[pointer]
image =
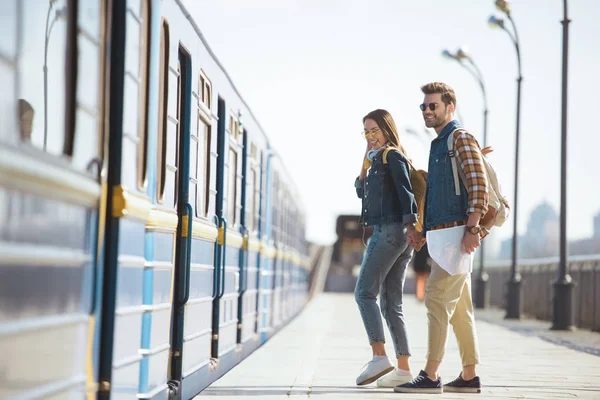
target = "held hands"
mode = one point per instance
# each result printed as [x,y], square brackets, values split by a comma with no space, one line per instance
[415,239]
[470,242]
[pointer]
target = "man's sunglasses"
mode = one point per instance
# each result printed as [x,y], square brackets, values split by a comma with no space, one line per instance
[424,106]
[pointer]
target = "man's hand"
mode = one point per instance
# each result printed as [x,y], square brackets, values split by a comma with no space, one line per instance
[415,238]
[470,242]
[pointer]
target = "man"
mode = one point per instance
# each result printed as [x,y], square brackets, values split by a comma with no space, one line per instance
[448,297]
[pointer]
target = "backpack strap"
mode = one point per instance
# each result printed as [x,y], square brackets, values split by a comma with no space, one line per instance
[385,154]
[452,155]
[388,149]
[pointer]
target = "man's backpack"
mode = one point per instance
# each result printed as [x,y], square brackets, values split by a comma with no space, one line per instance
[418,181]
[498,206]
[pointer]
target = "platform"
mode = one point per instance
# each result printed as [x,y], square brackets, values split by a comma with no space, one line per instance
[320,353]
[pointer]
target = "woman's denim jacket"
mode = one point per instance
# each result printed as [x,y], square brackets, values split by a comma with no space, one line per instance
[386,192]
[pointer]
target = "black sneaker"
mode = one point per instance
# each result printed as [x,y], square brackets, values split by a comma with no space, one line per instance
[459,385]
[421,384]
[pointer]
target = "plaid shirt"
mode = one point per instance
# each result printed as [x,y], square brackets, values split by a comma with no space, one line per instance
[468,157]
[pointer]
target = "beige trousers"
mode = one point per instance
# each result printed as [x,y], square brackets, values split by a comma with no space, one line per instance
[448,301]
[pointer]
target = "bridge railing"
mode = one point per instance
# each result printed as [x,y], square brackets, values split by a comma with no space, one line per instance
[537,278]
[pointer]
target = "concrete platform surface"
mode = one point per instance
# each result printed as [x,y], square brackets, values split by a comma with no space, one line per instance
[320,353]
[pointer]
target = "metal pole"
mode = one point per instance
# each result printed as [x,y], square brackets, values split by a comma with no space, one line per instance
[564,293]
[46,78]
[482,292]
[513,294]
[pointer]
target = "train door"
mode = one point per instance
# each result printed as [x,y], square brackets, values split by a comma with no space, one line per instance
[202,233]
[249,259]
[129,202]
[267,251]
[51,122]
[229,176]
[277,265]
[185,212]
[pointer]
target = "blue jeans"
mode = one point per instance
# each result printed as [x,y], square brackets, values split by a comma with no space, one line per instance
[384,269]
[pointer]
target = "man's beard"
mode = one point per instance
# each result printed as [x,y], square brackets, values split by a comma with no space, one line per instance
[436,122]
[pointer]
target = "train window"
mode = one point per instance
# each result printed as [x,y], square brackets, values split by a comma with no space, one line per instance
[172,153]
[8,73]
[249,207]
[232,181]
[183,114]
[205,90]
[85,143]
[234,126]
[252,188]
[135,105]
[256,202]
[163,111]
[144,83]
[194,164]
[41,76]
[204,154]
[275,188]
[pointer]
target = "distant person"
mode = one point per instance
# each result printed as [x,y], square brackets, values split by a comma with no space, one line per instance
[422,266]
[26,114]
[448,297]
[388,204]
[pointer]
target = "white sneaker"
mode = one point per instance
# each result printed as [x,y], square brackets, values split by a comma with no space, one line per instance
[394,378]
[373,370]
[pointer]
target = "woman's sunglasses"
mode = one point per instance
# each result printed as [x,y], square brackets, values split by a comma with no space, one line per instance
[424,106]
[373,132]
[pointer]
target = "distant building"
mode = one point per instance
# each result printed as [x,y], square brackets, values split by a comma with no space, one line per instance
[542,237]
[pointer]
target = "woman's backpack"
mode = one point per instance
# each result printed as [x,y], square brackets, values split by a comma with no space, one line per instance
[418,181]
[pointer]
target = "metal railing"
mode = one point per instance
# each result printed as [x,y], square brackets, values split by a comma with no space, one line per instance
[538,276]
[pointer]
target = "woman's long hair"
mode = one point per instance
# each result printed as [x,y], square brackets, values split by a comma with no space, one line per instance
[385,122]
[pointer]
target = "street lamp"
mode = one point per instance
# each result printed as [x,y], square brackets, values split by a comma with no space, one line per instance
[59,13]
[513,294]
[564,293]
[481,289]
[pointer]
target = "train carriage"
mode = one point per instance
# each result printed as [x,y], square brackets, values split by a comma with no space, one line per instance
[149,235]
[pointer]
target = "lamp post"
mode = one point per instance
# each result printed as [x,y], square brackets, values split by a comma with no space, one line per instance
[564,293]
[513,294]
[58,14]
[481,298]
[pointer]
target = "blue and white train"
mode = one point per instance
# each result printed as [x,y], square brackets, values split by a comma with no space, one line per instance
[150,238]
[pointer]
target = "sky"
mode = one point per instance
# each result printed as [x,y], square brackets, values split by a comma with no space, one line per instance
[310,70]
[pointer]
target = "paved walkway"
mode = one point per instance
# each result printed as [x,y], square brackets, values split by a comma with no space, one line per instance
[320,353]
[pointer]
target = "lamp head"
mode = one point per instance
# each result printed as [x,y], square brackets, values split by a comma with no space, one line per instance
[61,13]
[463,53]
[447,54]
[496,22]
[503,5]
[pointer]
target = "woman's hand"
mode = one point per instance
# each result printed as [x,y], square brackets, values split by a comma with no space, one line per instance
[414,237]
[363,170]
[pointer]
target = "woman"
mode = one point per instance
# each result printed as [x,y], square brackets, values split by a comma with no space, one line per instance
[388,204]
